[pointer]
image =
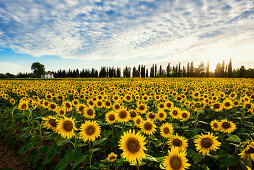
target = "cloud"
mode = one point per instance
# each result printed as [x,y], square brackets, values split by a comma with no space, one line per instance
[130,30]
[12,68]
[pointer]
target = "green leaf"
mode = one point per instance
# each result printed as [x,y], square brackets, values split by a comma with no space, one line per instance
[227,160]
[234,138]
[61,164]
[162,166]
[79,161]
[150,158]
[196,157]
[98,142]
[95,149]
[51,153]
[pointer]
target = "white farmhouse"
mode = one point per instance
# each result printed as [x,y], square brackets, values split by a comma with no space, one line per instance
[47,75]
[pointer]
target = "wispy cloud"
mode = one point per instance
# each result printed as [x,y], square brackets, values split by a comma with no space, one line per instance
[12,68]
[124,30]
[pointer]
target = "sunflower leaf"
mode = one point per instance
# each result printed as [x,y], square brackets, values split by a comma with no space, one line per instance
[97,142]
[234,138]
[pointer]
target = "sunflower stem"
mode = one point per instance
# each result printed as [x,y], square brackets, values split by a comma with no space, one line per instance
[138,165]
[91,153]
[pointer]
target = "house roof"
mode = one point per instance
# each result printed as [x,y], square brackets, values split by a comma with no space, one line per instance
[49,73]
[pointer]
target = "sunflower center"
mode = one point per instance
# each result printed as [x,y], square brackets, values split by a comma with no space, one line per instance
[250,150]
[133,114]
[148,126]
[23,106]
[122,114]
[107,103]
[175,112]
[216,106]
[227,104]
[248,106]
[90,130]
[99,103]
[128,97]
[151,116]
[184,115]
[67,126]
[166,130]
[52,106]
[226,125]
[138,121]
[133,145]
[68,105]
[90,102]
[117,107]
[112,157]
[215,125]
[177,142]
[111,117]
[206,142]
[161,105]
[52,122]
[175,162]
[168,104]
[161,115]
[75,102]
[141,107]
[61,112]
[81,108]
[90,112]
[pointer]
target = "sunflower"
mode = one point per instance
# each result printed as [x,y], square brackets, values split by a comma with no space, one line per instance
[50,123]
[166,130]
[236,103]
[75,102]
[177,141]
[12,101]
[80,108]
[107,104]
[161,106]
[128,98]
[111,117]
[133,147]
[206,143]
[142,108]
[148,127]
[116,106]
[89,113]
[138,121]
[169,105]
[52,106]
[67,105]
[175,113]
[91,103]
[112,157]
[227,126]
[66,127]
[23,105]
[99,104]
[90,130]
[215,125]
[133,114]
[248,152]
[61,111]
[217,107]
[151,116]
[176,160]
[161,115]
[185,115]
[123,115]
[227,104]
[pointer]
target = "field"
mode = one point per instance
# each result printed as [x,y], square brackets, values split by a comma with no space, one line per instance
[185,123]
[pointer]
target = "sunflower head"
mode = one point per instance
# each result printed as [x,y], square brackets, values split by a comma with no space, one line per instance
[178,141]
[23,105]
[90,130]
[161,115]
[185,115]
[206,143]
[175,113]
[148,127]
[66,127]
[227,126]
[123,115]
[89,113]
[176,159]
[50,123]
[215,125]
[112,157]
[138,121]
[151,116]
[248,152]
[166,130]
[111,117]
[133,147]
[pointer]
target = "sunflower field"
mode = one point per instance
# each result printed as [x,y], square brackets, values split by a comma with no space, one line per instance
[130,123]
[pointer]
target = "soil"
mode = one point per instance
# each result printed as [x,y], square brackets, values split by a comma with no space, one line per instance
[9,158]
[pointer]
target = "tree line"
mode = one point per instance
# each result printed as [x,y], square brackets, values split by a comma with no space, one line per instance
[178,70]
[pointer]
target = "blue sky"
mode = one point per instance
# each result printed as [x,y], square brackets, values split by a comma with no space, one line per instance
[84,34]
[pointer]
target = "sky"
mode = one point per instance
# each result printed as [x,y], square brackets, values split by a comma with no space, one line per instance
[93,33]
